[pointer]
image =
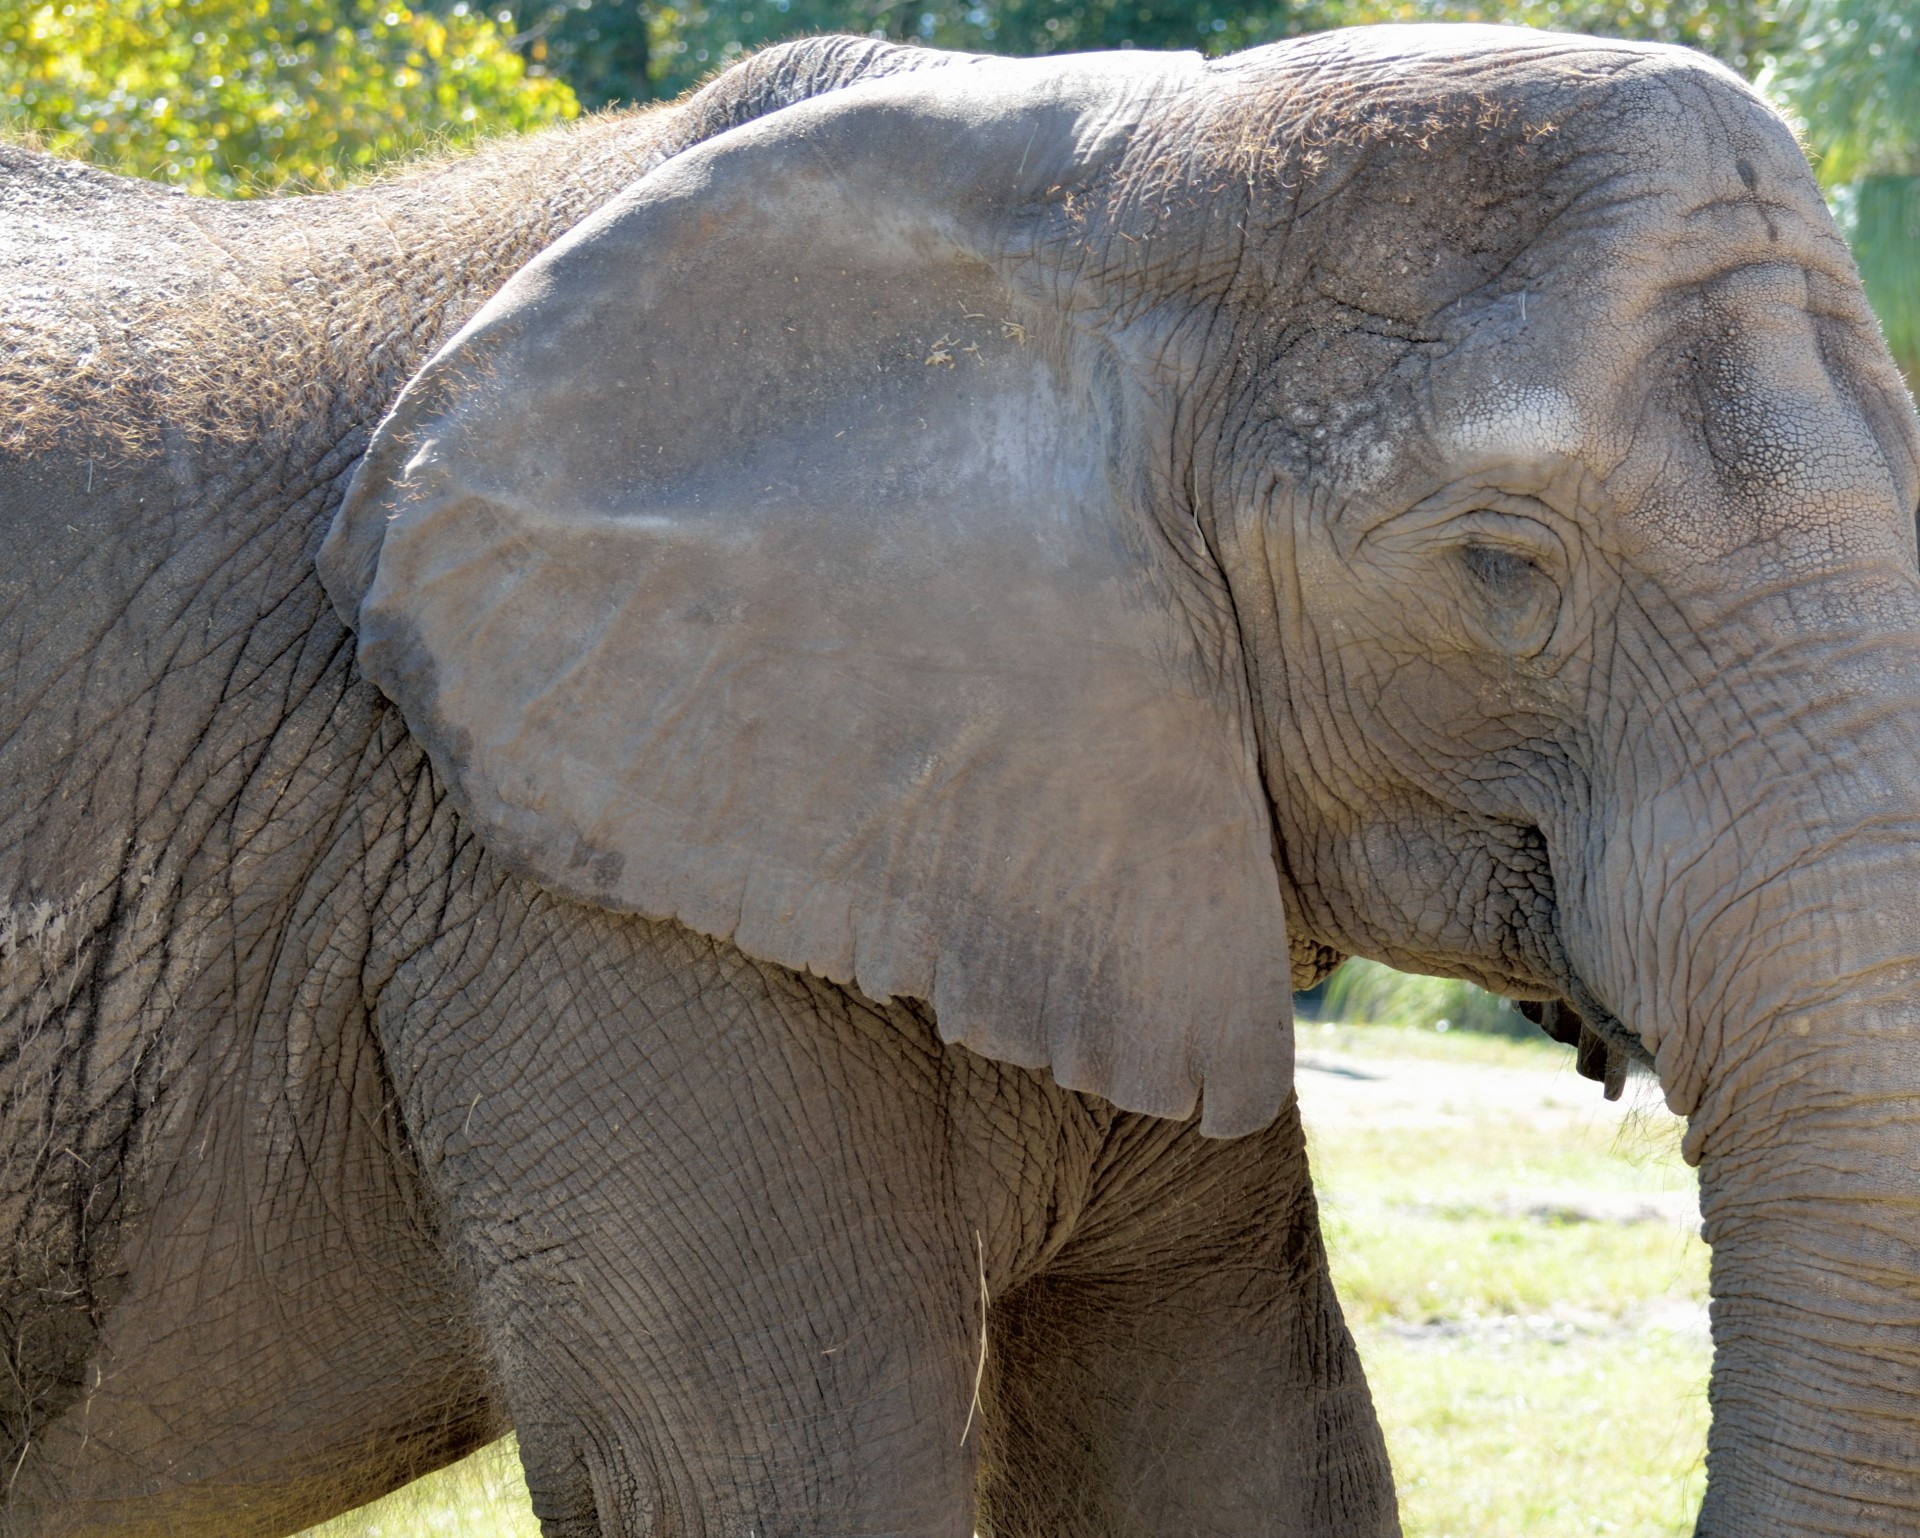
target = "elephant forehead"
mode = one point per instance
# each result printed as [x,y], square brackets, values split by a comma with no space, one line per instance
[1316,113]
[1503,210]
[1708,416]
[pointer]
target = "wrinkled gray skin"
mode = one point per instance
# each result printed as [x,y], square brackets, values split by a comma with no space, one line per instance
[1045,543]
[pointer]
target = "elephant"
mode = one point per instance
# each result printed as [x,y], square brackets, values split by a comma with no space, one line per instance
[664,784]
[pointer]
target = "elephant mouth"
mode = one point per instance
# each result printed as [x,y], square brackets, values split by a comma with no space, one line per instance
[1603,1046]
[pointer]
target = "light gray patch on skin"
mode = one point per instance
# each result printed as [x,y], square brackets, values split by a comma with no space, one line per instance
[1522,423]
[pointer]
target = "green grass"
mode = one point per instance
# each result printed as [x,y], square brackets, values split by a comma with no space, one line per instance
[479,1497]
[1370,994]
[1538,1372]
[1543,1439]
[1397,1040]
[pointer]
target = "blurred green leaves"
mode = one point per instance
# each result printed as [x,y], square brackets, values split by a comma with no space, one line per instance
[614,50]
[617,50]
[1852,77]
[240,96]
[1880,216]
[1739,33]
[1366,993]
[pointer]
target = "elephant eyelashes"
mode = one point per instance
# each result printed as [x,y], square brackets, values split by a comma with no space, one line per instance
[1521,603]
[1502,573]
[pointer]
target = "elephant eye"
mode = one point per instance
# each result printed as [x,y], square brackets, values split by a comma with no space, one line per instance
[1506,575]
[1520,603]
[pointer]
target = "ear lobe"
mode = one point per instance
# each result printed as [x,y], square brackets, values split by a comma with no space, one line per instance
[762,560]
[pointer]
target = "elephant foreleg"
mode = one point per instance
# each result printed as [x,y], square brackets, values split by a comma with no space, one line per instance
[729,1228]
[1182,1365]
[728,1288]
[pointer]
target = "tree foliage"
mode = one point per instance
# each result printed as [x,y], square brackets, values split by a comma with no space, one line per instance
[1853,76]
[631,50]
[234,96]
[1364,992]
[1853,79]
[620,50]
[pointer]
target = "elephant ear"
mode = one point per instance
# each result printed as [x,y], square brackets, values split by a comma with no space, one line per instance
[760,558]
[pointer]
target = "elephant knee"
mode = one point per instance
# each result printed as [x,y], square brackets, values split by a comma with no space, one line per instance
[586,1482]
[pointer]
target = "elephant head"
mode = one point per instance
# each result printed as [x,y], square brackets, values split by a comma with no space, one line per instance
[1086,542]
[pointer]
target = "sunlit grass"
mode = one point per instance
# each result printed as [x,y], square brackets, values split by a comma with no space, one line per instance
[1397,1040]
[1394,1268]
[1528,1305]
[1433,1224]
[480,1497]
[1528,1301]
[1535,1438]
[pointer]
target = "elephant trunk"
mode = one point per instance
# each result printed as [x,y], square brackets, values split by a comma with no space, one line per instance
[1786,1023]
[1811,1196]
